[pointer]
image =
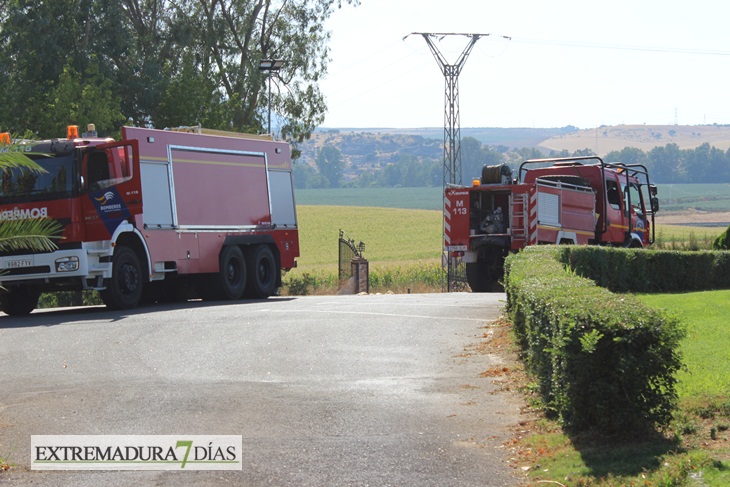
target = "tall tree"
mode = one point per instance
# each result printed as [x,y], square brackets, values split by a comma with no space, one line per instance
[330,164]
[40,43]
[164,62]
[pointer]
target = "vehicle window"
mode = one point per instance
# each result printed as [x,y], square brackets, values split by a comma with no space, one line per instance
[636,199]
[107,168]
[614,197]
[56,179]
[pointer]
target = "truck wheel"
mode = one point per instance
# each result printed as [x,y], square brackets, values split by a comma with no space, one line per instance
[478,277]
[19,301]
[262,279]
[230,282]
[124,289]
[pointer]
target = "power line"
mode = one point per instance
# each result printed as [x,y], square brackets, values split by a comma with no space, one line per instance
[623,47]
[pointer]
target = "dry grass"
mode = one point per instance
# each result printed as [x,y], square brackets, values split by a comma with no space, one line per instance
[603,140]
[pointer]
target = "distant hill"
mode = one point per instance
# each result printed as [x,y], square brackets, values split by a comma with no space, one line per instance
[603,140]
[371,150]
[365,148]
[513,138]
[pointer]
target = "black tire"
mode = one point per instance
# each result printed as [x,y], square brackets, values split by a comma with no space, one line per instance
[124,289]
[478,277]
[230,281]
[263,273]
[483,275]
[19,301]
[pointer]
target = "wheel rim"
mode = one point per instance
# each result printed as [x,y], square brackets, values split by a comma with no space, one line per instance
[263,271]
[129,279]
[233,272]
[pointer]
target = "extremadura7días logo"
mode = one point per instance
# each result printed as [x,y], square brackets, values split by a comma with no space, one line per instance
[136,452]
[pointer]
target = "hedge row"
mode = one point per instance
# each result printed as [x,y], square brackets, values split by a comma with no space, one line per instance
[638,270]
[603,361]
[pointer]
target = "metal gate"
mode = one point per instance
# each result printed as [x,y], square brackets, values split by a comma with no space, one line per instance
[455,274]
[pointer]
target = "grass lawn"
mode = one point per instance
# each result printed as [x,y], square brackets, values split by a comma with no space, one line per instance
[707,346]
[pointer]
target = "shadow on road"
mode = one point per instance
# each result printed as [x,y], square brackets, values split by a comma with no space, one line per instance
[60,316]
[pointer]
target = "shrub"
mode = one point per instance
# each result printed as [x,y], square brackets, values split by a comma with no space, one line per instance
[722,242]
[603,361]
[63,299]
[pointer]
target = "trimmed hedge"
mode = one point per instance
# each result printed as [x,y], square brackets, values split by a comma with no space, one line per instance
[649,271]
[603,361]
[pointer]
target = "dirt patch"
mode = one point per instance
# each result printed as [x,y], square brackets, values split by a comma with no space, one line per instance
[689,217]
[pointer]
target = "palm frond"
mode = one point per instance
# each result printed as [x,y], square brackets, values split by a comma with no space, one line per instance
[35,235]
[12,160]
[11,157]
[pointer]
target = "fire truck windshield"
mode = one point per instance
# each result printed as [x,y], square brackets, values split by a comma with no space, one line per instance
[21,184]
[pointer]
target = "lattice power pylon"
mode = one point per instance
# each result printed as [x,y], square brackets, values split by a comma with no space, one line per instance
[455,273]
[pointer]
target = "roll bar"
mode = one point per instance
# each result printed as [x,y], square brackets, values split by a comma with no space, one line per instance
[636,171]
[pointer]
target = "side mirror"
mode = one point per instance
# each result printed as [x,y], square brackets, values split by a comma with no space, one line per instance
[654,204]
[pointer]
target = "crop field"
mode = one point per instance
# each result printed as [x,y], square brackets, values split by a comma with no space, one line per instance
[672,197]
[403,246]
[680,237]
[706,197]
[409,198]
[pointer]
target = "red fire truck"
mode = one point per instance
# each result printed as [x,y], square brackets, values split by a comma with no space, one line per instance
[155,212]
[580,200]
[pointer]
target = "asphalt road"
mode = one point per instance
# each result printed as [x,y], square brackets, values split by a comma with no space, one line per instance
[327,390]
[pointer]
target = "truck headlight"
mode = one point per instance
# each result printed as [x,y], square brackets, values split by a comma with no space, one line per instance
[67,264]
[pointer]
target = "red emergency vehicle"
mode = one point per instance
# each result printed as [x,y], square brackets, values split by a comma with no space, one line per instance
[580,200]
[156,212]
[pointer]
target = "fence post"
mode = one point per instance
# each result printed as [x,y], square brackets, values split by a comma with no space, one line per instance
[353,268]
[360,271]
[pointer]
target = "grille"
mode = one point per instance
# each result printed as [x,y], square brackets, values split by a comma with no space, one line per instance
[25,271]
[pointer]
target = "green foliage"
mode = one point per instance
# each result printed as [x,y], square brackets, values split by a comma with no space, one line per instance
[329,162]
[670,164]
[722,242]
[401,278]
[159,63]
[300,285]
[603,361]
[78,99]
[69,298]
[33,234]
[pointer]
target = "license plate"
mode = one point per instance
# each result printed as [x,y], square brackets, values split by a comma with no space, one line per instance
[14,264]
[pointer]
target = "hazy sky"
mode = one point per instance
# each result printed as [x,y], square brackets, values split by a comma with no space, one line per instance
[569,62]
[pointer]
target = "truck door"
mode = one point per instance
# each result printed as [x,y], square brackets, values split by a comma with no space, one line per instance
[634,204]
[615,224]
[111,188]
